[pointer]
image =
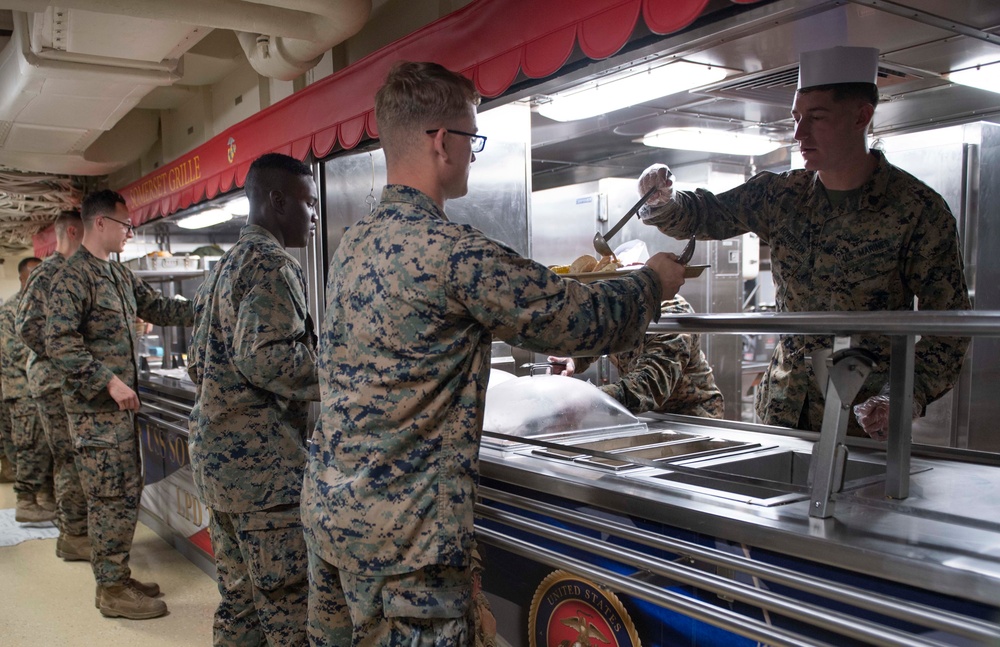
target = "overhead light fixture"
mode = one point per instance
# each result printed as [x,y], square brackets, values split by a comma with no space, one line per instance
[204,219]
[628,88]
[710,141]
[984,77]
[238,206]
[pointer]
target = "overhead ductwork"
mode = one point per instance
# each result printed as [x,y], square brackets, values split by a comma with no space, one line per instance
[282,39]
[74,68]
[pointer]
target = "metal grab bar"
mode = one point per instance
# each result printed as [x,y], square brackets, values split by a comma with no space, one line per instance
[947,323]
[183,408]
[164,423]
[834,621]
[906,611]
[692,608]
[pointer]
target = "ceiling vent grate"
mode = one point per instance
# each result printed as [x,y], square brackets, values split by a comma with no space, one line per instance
[778,87]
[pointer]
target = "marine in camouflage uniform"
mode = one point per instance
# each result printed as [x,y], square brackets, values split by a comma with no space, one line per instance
[413,304]
[892,240]
[91,338]
[253,359]
[45,386]
[34,458]
[666,373]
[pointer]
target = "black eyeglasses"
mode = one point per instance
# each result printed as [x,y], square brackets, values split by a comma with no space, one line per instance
[478,141]
[127,225]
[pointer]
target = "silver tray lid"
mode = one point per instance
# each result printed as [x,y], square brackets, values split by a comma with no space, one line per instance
[552,406]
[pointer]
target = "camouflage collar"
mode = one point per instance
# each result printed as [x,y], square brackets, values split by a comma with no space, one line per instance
[409,195]
[103,267]
[257,230]
[871,192]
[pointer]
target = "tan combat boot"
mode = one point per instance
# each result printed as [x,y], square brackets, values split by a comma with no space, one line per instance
[150,590]
[45,500]
[73,548]
[28,511]
[6,471]
[126,601]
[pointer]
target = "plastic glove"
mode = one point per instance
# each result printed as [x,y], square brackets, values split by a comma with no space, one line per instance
[873,414]
[567,362]
[658,175]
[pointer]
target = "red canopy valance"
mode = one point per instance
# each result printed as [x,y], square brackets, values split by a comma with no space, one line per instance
[490,41]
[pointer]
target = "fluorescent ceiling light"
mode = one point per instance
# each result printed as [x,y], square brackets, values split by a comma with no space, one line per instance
[710,141]
[205,219]
[238,206]
[984,77]
[628,88]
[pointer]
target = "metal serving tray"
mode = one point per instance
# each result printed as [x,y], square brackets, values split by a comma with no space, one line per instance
[782,467]
[684,449]
[615,443]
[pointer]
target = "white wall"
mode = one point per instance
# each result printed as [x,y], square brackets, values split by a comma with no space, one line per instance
[9,284]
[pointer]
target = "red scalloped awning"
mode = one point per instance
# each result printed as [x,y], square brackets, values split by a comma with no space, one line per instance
[490,41]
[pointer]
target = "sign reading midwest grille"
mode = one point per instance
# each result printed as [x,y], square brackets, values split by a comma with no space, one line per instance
[161,184]
[570,611]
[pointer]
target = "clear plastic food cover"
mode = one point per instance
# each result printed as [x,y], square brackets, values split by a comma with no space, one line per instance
[551,405]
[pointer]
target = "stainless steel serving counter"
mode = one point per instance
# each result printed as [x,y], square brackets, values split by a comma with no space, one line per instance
[945,536]
[170,504]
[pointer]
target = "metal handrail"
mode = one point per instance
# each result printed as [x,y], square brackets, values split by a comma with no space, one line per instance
[828,619]
[912,612]
[692,608]
[949,323]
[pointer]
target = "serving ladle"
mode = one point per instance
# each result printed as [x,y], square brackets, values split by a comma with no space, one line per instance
[601,241]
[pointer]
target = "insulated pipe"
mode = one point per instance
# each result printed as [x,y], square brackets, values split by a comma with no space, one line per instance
[77,67]
[285,58]
[279,41]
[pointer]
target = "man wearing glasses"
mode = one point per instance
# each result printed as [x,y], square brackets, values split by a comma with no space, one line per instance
[413,303]
[91,340]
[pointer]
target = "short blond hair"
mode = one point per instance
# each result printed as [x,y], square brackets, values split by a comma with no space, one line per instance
[417,97]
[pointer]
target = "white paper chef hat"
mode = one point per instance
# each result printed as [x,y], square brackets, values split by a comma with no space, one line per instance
[838,65]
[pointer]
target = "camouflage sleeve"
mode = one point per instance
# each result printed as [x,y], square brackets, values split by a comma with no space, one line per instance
[716,217]
[197,344]
[9,356]
[30,320]
[655,372]
[270,347]
[527,305]
[934,272]
[155,308]
[64,343]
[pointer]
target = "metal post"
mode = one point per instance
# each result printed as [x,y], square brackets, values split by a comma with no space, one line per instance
[897,478]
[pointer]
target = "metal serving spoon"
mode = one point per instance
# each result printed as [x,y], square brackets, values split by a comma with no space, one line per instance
[601,242]
[688,252]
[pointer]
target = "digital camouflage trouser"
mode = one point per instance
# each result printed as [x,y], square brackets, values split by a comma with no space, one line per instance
[72,510]
[431,607]
[6,435]
[260,560]
[107,447]
[34,459]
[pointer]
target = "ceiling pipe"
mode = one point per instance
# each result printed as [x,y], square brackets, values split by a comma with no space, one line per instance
[285,58]
[78,66]
[323,23]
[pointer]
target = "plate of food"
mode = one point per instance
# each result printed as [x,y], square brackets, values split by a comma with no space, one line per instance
[590,277]
[588,269]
